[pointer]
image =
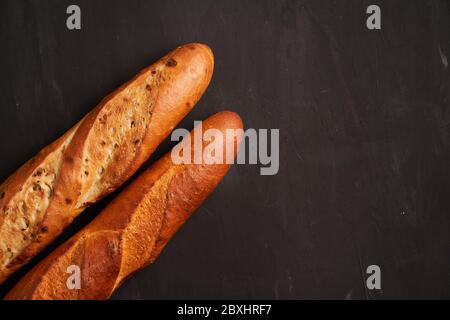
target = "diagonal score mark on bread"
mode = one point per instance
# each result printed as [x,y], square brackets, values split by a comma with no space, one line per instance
[111,271]
[21,215]
[111,144]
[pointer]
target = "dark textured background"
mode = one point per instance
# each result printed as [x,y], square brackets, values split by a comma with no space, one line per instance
[364,124]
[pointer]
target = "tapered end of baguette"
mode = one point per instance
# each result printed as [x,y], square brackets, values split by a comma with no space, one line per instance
[196,181]
[224,120]
[203,50]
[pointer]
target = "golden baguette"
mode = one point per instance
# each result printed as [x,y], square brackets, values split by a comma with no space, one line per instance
[133,229]
[98,154]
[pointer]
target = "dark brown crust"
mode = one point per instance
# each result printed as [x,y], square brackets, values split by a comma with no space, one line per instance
[132,230]
[160,96]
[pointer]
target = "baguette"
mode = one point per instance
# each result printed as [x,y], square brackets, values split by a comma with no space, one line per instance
[98,154]
[133,229]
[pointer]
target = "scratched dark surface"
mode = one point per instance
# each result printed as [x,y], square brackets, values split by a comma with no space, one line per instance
[364,122]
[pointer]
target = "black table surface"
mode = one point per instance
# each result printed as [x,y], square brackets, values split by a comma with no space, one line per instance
[364,118]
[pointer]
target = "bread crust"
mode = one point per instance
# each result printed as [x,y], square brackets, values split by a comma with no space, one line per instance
[133,229]
[98,154]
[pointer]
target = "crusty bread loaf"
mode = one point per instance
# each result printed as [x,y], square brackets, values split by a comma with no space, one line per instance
[98,154]
[133,229]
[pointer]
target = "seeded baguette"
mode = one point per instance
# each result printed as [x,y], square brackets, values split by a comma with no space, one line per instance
[98,154]
[133,229]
